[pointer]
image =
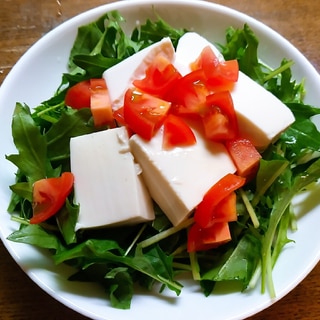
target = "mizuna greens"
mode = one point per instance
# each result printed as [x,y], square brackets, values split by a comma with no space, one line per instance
[151,253]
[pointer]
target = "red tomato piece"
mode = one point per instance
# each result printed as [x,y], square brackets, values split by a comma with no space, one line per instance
[160,78]
[189,94]
[49,195]
[100,103]
[118,115]
[228,70]
[225,75]
[217,72]
[226,209]
[205,210]
[143,113]
[78,96]
[245,156]
[201,239]
[176,133]
[207,61]
[220,120]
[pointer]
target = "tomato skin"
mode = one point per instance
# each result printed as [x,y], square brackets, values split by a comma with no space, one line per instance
[207,61]
[220,120]
[201,239]
[118,115]
[49,195]
[245,156]
[217,72]
[100,103]
[79,95]
[160,78]
[204,212]
[225,210]
[176,133]
[228,71]
[143,113]
[189,94]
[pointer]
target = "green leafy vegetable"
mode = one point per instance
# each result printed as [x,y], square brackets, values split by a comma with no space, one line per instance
[36,235]
[32,157]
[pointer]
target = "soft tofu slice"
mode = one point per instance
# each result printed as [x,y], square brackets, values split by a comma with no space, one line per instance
[108,186]
[261,116]
[178,179]
[120,76]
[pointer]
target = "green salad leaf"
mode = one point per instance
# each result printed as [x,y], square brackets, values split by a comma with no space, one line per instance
[32,157]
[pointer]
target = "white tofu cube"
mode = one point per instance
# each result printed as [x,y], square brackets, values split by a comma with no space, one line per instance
[108,186]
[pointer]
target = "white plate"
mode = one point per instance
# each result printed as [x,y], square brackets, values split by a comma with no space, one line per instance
[34,79]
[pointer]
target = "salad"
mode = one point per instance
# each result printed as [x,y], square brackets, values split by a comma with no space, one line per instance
[156,251]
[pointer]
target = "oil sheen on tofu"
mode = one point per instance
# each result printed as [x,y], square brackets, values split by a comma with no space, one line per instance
[108,185]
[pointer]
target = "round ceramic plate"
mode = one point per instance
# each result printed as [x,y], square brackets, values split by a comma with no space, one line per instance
[35,78]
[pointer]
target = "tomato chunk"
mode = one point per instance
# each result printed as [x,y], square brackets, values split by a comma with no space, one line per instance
[79,95]
[225,210]
[118,116]
[201,239]
[176,133]
[204,212]
[217,72]
[100,103]
[143,113]
[228,71]
[160,77]
[207,61]
[49,195]
[220,120]
[189,94]
[245,156]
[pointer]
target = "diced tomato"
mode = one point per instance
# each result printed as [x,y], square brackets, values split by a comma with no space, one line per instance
[160,78]
[118,115]
[205,210]
[207,61]
[189,94]
[176,133]
[79,95]
[220,120]
[100,103]
[217,72]
[49,195]
[143,113]
[228,71]
[91,94]
[216,125]
[201,239]
[225,75]
[226,209]
[245,156]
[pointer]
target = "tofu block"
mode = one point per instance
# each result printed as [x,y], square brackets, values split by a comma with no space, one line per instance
[261,116]
[108,185]
[120,76]
[178,179]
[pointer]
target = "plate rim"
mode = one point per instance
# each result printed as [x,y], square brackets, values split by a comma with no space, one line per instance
[118,5]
